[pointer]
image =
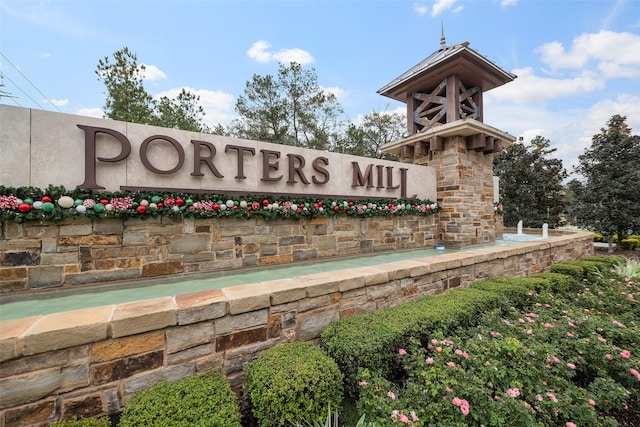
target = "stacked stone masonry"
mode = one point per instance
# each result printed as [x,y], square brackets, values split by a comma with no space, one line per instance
[89,362]
[37,257]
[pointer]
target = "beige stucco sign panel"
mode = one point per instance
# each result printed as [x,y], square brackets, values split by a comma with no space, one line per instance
[39,148]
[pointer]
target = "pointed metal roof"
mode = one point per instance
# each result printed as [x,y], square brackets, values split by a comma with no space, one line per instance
[458,59]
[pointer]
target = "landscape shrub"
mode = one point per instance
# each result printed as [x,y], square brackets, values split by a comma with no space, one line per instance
[512,290]
[611,261]
[570,359]
[367,340]
[568,268]
[84,422]
[200,400]
[630,243]
[292,383]
[560,282]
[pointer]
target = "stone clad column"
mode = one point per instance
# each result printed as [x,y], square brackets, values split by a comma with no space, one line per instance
[465,192]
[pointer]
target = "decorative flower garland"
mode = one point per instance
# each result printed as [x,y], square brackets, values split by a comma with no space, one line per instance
[56,203]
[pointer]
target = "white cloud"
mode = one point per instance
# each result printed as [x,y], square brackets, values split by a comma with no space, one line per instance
[90,112]
[58,102]
[260,51]
[151,72]
[570,131]
[506,3]
[217,105]
[531,88]
[420,8]
[442,5]
[338,92]
[615,53]
[300,56]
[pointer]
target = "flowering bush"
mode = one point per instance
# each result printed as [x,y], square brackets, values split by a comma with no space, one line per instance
[497,208]
[56,203]
[568,359]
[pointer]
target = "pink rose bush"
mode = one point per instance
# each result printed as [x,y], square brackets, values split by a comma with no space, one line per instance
[567,362]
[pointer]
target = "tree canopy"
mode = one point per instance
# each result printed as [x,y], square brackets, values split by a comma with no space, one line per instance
[289,109]
[607,200]
[376,130]
[127,99]
[531,184]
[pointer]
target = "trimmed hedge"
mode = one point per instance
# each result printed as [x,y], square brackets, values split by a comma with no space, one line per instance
[293,382]
[583,269]
[560,283]
[630,243]
[611,261]
[371,340]
[199,400]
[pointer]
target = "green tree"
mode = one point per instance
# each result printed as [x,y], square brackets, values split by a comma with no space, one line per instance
[288,109]
[127,100]
[183,112]
[531,184]
[376,130]
[608,199]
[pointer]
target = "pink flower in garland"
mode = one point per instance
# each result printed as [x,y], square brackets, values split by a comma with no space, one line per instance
[8,202]
[119,203]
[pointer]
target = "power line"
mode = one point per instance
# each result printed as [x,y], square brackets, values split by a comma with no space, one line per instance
[20,89]
[30,82]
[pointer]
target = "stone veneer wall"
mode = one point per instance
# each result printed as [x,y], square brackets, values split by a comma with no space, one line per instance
[41,256]
[465,190]
[89,362]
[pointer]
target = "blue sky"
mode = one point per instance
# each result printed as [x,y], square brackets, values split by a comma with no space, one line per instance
[578,61]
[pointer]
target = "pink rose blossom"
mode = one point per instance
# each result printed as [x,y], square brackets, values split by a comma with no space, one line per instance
[539,397]
[512,392]
[569,334]
[429,361]
[570,424]
[625,354]
[462,404]
[609,357]
[363,383]
[414,417]
[404,419]
[635,373]
[571,366]
[438,349]
[402,352]
[529,332]
[553,397]
[391,395]
[451,364]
